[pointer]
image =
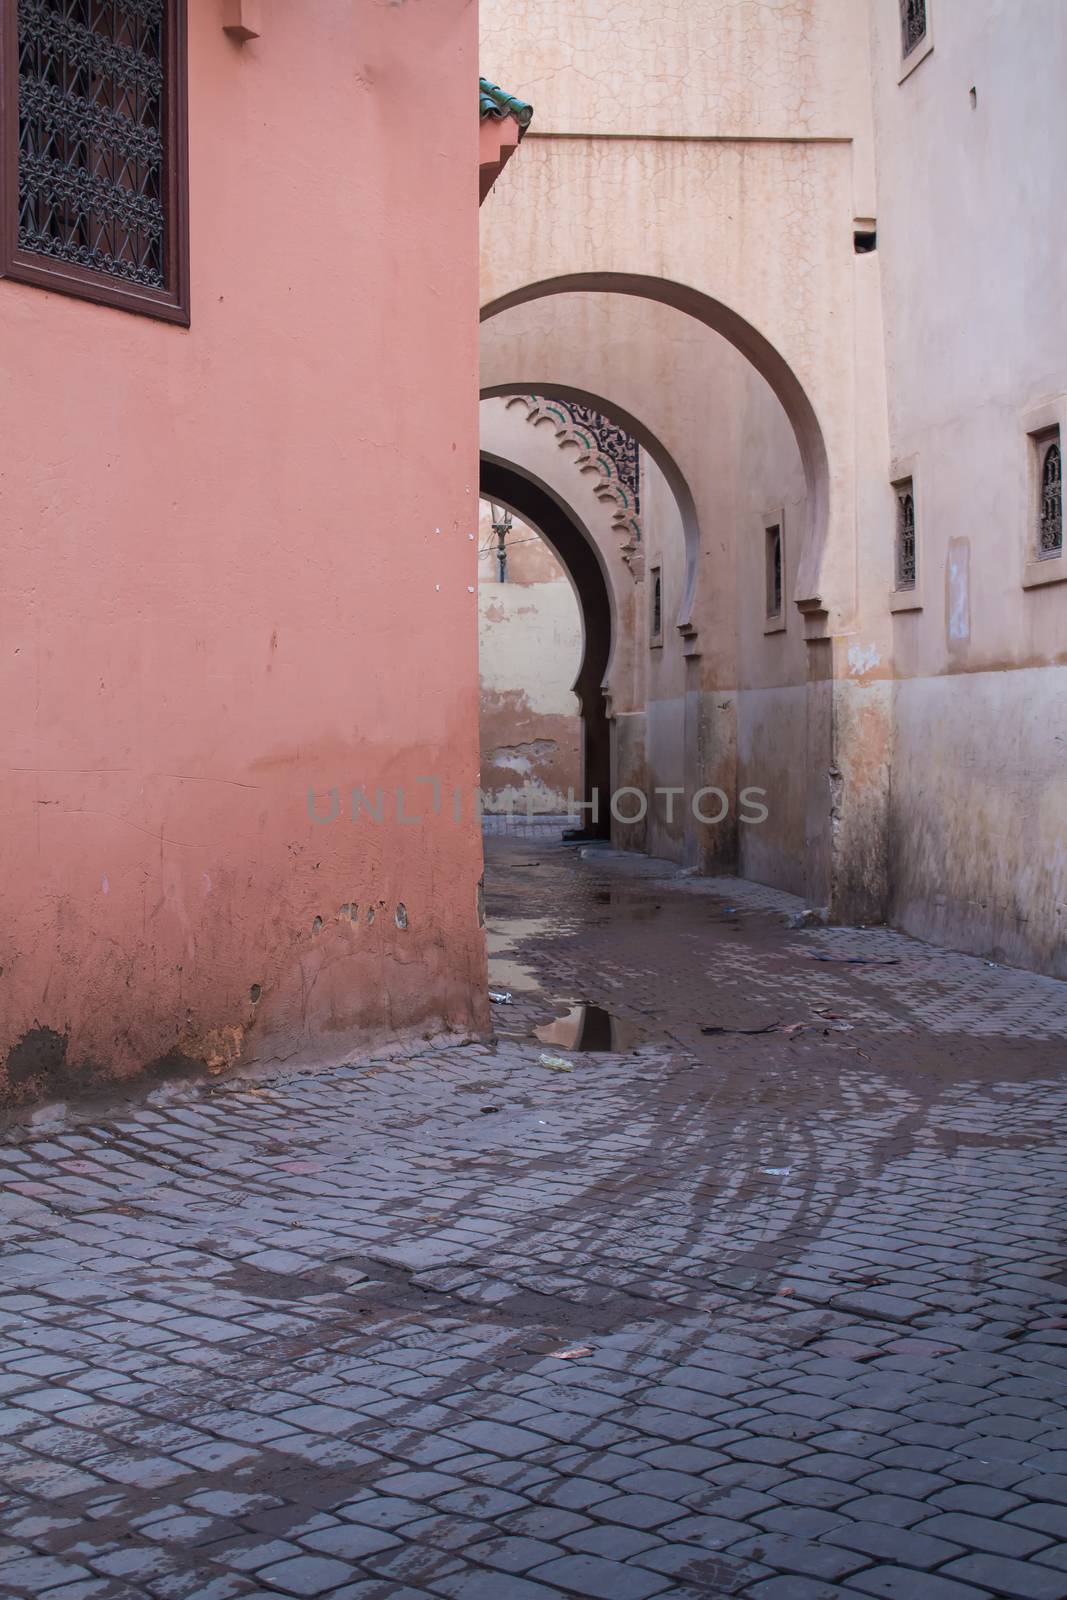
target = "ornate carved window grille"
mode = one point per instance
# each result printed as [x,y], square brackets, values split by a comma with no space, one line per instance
[907,565]
[93,150]
[774,571]
[1050,501]
[912,24]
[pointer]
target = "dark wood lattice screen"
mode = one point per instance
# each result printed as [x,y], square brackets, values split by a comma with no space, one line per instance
[97,132]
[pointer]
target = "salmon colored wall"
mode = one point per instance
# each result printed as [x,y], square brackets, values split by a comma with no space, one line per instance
[237,565]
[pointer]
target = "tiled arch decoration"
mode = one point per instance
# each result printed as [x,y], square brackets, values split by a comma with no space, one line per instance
[601,447]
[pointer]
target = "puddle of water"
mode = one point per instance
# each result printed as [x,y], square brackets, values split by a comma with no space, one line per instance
[502,937]
[628,905]
[590,1029]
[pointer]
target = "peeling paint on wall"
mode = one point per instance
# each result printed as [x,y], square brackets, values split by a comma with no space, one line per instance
[530,641]
[863,658]
[958,592]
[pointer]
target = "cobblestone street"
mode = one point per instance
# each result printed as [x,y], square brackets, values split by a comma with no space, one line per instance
[764,1313]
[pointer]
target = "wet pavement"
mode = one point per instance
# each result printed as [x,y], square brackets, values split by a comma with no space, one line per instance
[615,1307]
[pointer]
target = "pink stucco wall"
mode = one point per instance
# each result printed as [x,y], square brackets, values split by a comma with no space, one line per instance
[236,567]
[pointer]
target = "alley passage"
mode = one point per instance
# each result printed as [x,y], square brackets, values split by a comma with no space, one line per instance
[771,1313]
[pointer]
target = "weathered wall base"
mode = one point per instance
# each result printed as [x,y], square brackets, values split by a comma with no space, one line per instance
[978,825]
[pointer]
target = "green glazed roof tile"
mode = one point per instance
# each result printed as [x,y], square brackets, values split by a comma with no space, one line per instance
[494,102]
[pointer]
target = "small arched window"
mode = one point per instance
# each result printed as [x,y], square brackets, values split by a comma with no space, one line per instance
[912,24]
[1050,502]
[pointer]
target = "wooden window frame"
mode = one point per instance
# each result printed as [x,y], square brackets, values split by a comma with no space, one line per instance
[170,304]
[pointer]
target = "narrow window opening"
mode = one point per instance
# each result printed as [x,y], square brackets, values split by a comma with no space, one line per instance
[656,600]
[774,571]
[974,97]
[906,563]
[865,240]
[1050,498]
[912,24]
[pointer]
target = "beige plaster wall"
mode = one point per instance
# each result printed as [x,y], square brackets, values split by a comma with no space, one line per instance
[972,241]
[683,68]
[716,157]
[530,648]
[711,158]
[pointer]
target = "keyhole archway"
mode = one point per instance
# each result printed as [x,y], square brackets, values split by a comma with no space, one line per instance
[508,485]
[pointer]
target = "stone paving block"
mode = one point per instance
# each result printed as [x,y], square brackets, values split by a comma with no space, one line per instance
[638,1511]
[544,1522]
[349,1541]
[1012,1580]
[905,1547]
[36,1573]
[985,1533]
[513,1552]
[250,1554]
[804,1522]
[414,1564]
[771,1452]
[448,1532]
[897,1583]
[976,1499]
[579,1493]
[788,1586]
[609,1540]
[306,1575]
[810,1558]
[827,1493]
[90,1589]
[487,1586]
[895,1510]
[660,1482]
[499,1437]
[719,1571]
[382,1511]
[1047,1486]
[603,1580]
[736,1504]
[479,1502]
[710,1532]
[1050,1519]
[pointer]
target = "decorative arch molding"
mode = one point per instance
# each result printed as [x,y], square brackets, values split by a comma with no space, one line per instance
[601,448]
[545,390]
[811,593]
